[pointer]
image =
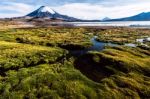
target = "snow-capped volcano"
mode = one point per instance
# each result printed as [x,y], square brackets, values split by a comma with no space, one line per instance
[47,12]
[42,12]
[46,9]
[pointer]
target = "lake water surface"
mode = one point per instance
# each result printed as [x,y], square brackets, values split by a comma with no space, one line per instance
[117,23]
[145,24]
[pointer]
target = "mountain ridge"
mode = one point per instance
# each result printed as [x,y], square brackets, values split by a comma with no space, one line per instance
[144,16]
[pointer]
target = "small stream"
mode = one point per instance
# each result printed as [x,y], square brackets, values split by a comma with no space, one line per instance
[97,46]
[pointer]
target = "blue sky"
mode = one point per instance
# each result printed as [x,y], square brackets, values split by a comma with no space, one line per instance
[84,9]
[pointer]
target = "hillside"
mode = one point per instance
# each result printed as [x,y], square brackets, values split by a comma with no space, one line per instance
[139,17]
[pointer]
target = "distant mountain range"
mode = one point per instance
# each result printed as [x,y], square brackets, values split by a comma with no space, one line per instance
[139,17]
[45,12]
[105,19]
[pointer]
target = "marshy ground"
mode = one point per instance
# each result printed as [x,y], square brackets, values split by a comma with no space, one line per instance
[37,63]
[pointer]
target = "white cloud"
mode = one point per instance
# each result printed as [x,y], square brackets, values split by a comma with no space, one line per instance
[14,9]
[89,11]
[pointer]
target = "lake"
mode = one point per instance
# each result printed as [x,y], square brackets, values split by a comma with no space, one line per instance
[119,23]
[114,23]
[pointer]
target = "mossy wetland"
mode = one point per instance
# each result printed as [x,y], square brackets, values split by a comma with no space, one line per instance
[39,63]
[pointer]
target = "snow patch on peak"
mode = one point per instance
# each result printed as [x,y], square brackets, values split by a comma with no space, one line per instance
[47,9]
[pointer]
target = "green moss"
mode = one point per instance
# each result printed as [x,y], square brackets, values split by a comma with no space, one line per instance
[62,37]
[122,35]
[47,81]
[15,56]
[30,70]
[121,69]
